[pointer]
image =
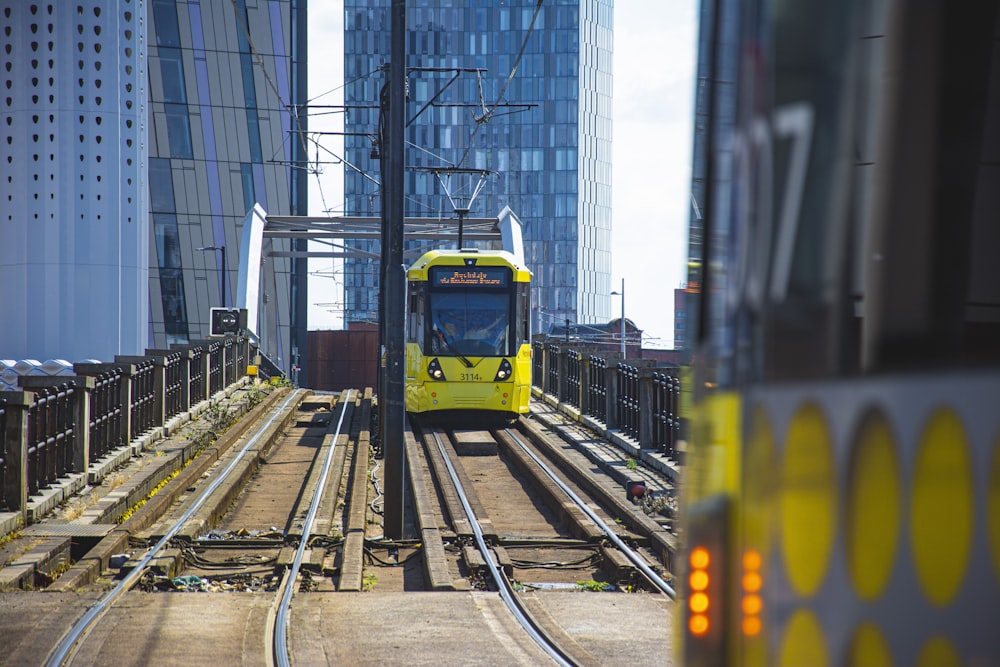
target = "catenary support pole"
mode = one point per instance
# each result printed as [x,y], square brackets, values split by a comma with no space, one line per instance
[395,283]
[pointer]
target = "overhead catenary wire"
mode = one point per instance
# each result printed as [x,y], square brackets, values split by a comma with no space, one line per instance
[488,113]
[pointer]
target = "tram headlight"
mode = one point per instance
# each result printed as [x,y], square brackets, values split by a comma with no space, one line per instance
[434,370]
[505,371]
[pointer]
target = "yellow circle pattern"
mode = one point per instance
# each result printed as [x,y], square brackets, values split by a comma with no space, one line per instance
[868,648]
[808,500]
[941,512]
[938,652]
[803,642]
[873,507]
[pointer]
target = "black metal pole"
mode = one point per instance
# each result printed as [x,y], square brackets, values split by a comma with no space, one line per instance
[395,283]
[299,190]
[225,303]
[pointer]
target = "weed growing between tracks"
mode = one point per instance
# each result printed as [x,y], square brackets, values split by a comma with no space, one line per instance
[220,418]
[156,489]
[592,585]
[10,537]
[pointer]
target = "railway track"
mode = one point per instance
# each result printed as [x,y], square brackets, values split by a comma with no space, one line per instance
[259,506]
[519,502]
[288,506]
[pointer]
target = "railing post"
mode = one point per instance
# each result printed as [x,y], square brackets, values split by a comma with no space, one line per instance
[646,408]
[81,448]
[15,452]
[128,373]
[611,398]
[227,361]
[544,380]
[187,357]
[584,383]
[206,372]
[243,344]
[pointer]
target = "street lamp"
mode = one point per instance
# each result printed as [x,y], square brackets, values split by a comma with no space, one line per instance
[622,295]
[222,251]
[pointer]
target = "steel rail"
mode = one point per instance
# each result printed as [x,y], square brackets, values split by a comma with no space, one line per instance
[280,628]
[633,557]
[75,634]
[506,590]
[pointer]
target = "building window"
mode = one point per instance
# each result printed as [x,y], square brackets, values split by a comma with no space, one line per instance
[179,130]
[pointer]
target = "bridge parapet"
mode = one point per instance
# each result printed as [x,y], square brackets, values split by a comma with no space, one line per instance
[633,398]
[124,404]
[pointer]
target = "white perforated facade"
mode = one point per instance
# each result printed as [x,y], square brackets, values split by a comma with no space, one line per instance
[136,133]
[74,233]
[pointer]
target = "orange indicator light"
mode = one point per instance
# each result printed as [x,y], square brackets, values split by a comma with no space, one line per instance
[698,603]
[698,580]
[752,604]
[699,558]
[698,625]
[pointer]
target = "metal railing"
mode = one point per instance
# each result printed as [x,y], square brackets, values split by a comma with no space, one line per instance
[636,399]
[552,377]
[666,420]
[173,380]
[597,388]
[573,389]
[106,414]
[50,436]
[61,425]
[215,367]
[627,404]
[143,397]
[537,358]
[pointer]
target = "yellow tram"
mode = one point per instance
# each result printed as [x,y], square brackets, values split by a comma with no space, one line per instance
[468,343]
[841,498]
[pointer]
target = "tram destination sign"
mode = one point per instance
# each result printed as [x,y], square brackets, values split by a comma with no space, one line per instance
[469,276]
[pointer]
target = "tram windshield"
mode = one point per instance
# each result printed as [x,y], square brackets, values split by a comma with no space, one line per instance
[469,322]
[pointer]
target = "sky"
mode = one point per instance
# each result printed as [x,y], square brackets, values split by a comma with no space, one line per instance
[653,103]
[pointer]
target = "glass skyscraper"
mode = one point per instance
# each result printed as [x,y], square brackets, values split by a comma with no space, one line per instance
[516,89]
[138,131]
[224,78]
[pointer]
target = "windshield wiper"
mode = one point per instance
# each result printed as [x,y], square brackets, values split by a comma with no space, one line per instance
[451,346]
